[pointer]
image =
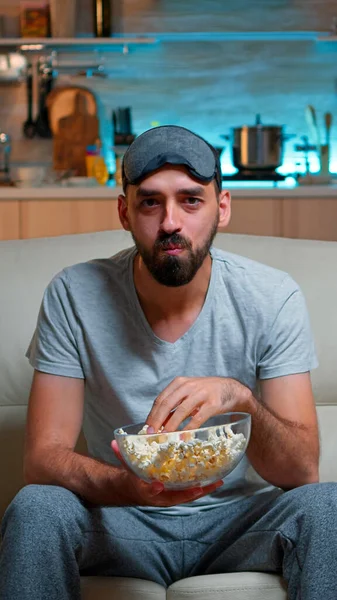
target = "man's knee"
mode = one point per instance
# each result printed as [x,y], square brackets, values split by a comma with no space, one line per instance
[38,504]
[315,500]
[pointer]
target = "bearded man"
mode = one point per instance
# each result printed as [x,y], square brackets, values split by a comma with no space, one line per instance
[167,330]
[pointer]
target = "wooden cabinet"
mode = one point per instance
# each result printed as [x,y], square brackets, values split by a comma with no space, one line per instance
[256,217]
[40,218]
[9,220]
[296,217]
[300,218]
[309,218]
[44,218]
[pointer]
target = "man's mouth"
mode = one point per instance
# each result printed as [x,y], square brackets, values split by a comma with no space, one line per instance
[172,249]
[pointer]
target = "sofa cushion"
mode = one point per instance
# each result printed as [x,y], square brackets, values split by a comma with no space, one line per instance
[12,420]
[26,267]
[327,419]
[120,588]
[12,424]
[229,586]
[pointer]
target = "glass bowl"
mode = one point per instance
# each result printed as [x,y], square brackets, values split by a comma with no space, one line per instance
[184,459]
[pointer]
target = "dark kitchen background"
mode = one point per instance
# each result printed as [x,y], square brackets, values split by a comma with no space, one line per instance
[208,85]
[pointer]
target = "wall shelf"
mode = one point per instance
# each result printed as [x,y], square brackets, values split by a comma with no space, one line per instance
[223,36]
[40,44]
[150,39]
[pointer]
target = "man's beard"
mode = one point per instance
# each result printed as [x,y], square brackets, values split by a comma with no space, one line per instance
[174,271]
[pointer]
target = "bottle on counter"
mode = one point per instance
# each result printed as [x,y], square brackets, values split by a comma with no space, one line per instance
[95,163]
[92,152]
[100,169]
[102,18]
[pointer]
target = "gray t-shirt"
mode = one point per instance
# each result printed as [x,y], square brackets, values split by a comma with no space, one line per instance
[253,325]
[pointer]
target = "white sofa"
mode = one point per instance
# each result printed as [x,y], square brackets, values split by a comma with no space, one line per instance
[26,267]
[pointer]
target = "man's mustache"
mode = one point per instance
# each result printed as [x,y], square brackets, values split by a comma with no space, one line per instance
[165,242]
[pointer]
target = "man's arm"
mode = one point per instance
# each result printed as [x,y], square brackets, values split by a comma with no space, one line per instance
[283,448]
[55,414]
[54,422]
[284,445]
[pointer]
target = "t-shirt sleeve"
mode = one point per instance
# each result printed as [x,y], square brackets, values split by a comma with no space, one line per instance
[53,348]
[289,346]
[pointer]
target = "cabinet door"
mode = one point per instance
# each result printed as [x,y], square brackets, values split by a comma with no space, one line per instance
[95,215]
[310,218]
[255,216]
[9,220]
[44,218]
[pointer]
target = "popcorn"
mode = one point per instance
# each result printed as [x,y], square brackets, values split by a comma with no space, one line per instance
[183,458]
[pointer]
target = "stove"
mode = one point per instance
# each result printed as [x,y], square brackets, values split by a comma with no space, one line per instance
[255,175]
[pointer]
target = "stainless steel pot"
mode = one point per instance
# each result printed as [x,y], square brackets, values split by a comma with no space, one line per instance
[258,147]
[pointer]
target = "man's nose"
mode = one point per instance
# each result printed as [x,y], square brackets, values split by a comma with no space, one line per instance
[171,220]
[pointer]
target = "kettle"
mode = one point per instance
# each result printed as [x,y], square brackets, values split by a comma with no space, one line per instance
[5,151]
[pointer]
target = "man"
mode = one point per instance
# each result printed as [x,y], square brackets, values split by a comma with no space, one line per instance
[169,329]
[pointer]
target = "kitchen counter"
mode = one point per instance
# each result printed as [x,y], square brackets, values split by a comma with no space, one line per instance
[258,190]
[296,211]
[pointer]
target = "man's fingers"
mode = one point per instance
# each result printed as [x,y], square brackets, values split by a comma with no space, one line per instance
[190,494]
[156,488]
[115,448]
[191,407]
[158,412]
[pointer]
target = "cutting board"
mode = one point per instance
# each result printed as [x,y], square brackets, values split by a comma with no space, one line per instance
[60,102]
[73,133]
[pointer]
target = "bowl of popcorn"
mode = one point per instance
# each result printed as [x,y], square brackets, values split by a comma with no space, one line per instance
[189,457]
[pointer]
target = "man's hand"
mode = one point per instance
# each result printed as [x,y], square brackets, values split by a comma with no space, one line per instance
[199,398]
[137,492]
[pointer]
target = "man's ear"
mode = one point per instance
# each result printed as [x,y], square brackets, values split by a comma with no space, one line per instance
[123,212]
[224,208]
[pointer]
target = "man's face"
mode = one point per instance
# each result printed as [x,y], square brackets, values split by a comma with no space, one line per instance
[173,219]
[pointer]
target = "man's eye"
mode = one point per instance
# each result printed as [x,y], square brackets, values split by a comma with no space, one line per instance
[193,201]
[149,202]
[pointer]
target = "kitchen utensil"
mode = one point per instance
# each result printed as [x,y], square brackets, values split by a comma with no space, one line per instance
[305,147]
[73,134]
[183,459]
[325,148]
[311,118]
[258,147]
[45,83]
[62,98]
[29,126]
[328,124]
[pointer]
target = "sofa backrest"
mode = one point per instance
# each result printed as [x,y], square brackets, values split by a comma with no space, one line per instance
[27,266]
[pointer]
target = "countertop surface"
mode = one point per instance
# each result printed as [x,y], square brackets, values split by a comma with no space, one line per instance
[258,190]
